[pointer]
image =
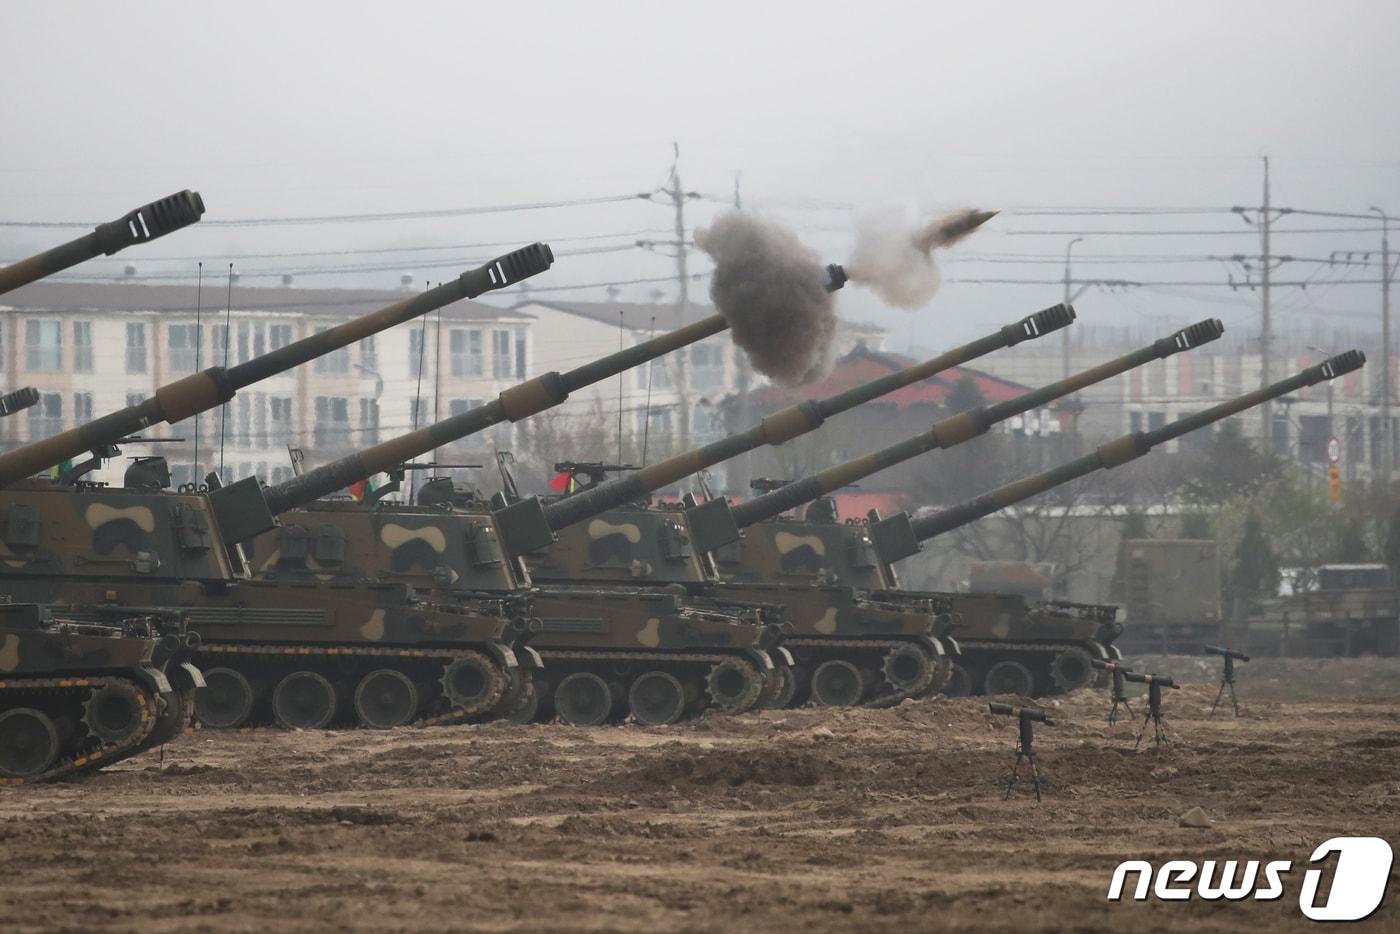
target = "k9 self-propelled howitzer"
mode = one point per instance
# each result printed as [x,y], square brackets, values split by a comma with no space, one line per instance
[607,651]
[605,537]
[776,553]
[899,536]
[298,655]
[142,225]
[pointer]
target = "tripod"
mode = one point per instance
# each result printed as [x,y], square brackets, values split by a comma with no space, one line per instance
[1228,680]
[1153,716]
[1025,749]
[1120,699]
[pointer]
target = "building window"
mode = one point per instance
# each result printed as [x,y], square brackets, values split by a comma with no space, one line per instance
[660,376]
[1281,434]
[279,411]
[82,407]
[332,421]
[82,346]
[1156,420]
[369,422]
[707,366]
[418,412]
[135,348]
[43,344]
[519,353]
[465,345]
[417,359]
[337,361]
[369,357]
[279,336]
[46,417]
[183,340]
[462,406]
[1313,432]
[1135,421]
[252,340]
[501,363]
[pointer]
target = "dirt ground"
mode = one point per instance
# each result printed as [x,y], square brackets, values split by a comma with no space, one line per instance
[877,820]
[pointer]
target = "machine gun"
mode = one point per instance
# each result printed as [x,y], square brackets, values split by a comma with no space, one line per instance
[595,472]
[142,225]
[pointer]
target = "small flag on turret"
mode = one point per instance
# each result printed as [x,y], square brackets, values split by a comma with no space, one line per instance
[562,482]
[360,489]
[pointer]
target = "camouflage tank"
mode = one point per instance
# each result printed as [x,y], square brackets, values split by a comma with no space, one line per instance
[142,225]
[777,553]
[609,633]
[990,639]
[299,655]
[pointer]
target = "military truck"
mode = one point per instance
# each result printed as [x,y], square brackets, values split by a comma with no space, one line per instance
[1171,595]
[899,536]
[1343,610]
[300,655]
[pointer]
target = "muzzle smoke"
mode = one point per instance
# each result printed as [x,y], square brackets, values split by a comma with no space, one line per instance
[893,255]
[771,289]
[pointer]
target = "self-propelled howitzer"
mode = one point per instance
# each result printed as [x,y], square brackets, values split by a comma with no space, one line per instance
[900,536]
[293,654]
[142,225]
[784,553]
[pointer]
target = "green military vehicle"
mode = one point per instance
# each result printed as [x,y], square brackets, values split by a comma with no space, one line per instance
[1171,595]
[300,655]
[900,536]
[1336,610]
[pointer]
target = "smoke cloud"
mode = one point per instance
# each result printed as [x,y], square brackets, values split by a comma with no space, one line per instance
[771,288]
[893,255]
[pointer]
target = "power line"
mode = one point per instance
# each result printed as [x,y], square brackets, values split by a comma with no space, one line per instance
[381,216]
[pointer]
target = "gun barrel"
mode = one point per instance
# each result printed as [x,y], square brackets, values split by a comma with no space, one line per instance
[142,225]
[900,543]
[964,427]
[794,421]
[203,391]
[518,402]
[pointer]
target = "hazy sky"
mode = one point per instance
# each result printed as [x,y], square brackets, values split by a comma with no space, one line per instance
[293,109]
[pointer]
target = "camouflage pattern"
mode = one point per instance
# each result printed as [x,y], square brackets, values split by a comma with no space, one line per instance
[454,555]
[74,696]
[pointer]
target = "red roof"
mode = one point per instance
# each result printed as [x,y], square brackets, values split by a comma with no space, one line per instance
[863,365]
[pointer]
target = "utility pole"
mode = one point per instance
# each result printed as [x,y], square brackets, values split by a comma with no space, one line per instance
[678,197]
[1387,441]
[1069,298]
[1266,334]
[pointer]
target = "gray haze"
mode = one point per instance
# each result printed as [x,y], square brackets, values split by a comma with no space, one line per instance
[277,109]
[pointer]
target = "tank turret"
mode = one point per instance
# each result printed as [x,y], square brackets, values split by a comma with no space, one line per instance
[142,225]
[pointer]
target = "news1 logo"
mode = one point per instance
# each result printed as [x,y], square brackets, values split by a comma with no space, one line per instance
[1358,881]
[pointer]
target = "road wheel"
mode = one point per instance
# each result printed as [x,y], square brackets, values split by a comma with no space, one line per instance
[734,685]
[657,698]
[785,689]
[28,742]
[583,699]
[226,700]
[837,683]
[959,681]
[303,700]
[527,706]
[908,668]
[386,698]
[175,713]
[1072,669]
[115,712]
[473,682]
[1008,677]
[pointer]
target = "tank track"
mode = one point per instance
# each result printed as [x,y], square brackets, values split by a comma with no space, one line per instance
[1008,649]
[700,658]
[77,764]
[455,715]
[891,698]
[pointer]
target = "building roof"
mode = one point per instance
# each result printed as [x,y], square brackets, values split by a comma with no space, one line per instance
[863,365]
[668,315]
[137,297]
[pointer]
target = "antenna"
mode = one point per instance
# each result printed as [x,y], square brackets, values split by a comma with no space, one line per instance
[198,354]
[228,339]
[418,392]
[620,380]
[646,419]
